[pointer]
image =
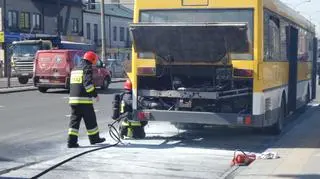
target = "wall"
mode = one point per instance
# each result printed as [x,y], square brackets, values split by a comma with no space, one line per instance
[110,22]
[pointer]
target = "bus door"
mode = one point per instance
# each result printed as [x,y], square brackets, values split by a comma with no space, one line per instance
[292,38]
[314,68]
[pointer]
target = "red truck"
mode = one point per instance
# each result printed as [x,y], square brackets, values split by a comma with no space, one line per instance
[52,69]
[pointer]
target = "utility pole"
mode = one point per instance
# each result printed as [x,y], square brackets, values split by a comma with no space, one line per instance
[103,32]
[58,17]
[7,63]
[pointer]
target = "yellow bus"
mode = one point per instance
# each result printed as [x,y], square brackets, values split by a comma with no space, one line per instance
[217,62]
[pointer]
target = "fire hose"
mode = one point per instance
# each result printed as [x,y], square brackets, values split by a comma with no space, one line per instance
[114,134]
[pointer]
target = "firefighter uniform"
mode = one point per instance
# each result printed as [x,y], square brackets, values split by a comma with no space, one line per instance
[130,129]
[82,90]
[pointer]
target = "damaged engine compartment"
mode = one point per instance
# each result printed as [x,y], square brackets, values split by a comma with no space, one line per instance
[193,69]
[200,88]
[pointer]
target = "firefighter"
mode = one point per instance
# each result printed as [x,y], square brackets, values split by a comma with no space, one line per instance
[130,129]
[82,92]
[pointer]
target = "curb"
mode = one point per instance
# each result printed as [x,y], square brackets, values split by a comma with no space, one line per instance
[295,120]
[17,89]
[32,88]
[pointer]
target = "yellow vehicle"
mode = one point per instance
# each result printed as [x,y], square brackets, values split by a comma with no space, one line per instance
[216,62]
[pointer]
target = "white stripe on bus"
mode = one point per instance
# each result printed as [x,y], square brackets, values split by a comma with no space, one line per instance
[275,96]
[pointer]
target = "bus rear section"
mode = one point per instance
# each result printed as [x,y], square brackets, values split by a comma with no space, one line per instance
[193,81]
[52,68]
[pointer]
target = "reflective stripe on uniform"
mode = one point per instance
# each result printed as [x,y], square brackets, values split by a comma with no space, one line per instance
[80,100]
[122,106]
[76,77]
[74,132]
[89,88]
[93,131]
[77,72]
[134,124]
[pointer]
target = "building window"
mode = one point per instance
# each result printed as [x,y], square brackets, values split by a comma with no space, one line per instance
[25,20]
[115,34]
[95,33]
[12,19]
[75,25]
[36,21]
[128,35]
[122,34]
[88,31]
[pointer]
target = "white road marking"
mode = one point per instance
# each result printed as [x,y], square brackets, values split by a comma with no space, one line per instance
[66,97]
[1,106]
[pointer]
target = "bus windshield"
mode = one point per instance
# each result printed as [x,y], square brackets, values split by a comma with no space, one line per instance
[204,16]
[25,50]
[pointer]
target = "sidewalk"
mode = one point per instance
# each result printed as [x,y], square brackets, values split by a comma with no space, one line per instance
[299,152]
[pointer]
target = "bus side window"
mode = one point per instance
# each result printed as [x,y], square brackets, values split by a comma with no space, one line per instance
[272,49]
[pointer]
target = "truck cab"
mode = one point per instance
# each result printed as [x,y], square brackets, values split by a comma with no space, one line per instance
[23,54]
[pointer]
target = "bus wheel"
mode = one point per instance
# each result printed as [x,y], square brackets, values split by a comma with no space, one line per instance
[307,101]
[277,128]
[308,98]
[42,89]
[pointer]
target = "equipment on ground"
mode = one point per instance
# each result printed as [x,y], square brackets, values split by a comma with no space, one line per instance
[240,158]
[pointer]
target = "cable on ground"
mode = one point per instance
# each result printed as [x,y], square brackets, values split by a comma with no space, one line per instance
[114,134]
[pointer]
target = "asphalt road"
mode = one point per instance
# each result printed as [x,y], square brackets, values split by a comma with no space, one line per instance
[33,129]
[33,125]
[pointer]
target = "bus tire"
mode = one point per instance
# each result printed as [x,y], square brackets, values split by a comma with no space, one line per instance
[42,89]
[307,99]
[308,96]
[277,128]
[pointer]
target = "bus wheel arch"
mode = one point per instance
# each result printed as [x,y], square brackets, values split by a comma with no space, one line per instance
[278,126]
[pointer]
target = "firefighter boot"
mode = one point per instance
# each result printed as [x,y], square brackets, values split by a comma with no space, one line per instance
[123,131]
[95,139]
[139,133]
[73,141]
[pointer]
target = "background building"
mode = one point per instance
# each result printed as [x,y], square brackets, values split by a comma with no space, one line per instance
[117,20]
[23,18]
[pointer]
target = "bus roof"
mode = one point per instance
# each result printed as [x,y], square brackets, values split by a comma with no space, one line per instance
[274,5]
[282,9]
